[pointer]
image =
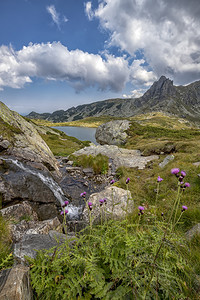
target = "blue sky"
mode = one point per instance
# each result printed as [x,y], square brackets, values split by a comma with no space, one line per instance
[62,53]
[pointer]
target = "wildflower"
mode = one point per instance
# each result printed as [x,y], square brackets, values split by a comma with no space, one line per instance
[159,179]
[112,181]
[180,178]
[127,180]
[162,214]
[66,211]
[141,208]
[183,173]
[90,205]
[83,194]
[62,212]
[101,201]
[175,171]
[187,184]
[66,202]
[184,208]
[105,200]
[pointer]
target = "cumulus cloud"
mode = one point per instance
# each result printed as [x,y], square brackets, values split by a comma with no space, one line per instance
[53,61]
[167,33]
[55,15]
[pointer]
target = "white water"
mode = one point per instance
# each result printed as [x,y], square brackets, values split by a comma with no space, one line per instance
[73,211]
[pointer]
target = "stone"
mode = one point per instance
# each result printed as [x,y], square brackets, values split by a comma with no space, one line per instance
[16,284]
[197,164]
[120,156]
[4,145]
[116,204]
[113,132]
[30,243]
[33,227]
[24,140]
[19,211]
[193,231]
[166,160]
[88,172]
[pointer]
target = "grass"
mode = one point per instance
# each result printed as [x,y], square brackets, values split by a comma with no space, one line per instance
[6,258]
[98,163]
[62,144]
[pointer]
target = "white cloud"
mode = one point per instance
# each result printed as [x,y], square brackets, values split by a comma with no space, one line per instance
[56,16]
[88,10]
[167,32]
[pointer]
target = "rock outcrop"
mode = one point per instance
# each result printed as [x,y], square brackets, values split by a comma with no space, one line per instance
[112,133]
[19,138]
[119,156]
[115,205]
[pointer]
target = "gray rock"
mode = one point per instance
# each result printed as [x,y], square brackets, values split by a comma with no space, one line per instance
[166,160]
[30,243]
[4,145]
[120,156]
[19,211]
[88,172]
[112,133]
[16,284]
[116,204]
[193,231]
[197,164]
[33,227]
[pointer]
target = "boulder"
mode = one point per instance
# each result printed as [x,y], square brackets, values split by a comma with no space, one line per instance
[115,205]
[112,133]
[21,139]
[19,211]
[30,243]
[166,160]
[15,284]
[193,231]
[120,157]
[33,227]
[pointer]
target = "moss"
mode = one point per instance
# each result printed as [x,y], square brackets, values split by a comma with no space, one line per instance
[99,163]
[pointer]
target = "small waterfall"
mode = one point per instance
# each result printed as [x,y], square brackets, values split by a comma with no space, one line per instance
[74,211]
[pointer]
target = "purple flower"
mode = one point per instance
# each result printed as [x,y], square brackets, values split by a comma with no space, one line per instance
[187,184]
[127,180]
[180,178]
[175,171]
[66,211]
[105,200]
[112,181]
[159,179]
[101,201]
[184,208]
[183,173]
[162,214]
[140,208]
[66,202]
[83,194]
[89,203]
[62,212]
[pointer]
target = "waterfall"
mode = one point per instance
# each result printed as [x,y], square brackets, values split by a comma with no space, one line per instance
[73,211]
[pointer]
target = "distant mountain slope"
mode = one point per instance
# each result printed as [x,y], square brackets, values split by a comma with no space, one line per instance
[183,101]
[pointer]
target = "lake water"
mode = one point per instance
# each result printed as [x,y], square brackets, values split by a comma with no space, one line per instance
[81,133]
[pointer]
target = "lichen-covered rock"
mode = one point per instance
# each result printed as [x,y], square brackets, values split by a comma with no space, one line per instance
[20,138]
[112,133]
[195,230]
[16,284]
[115,205]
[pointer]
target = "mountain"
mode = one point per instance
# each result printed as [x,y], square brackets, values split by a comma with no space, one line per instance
[183,101]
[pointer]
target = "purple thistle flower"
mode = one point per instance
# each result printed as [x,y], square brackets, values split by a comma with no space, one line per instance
[180,178]
[187,184]
[162,214]
[184,208]
[62,212]
[175,171]
[105,200]
[183,173]
[83,194]
[112,181]
[66,211]
[141,208]
[89,203]
[101,201]
[127,180]
[159,179]
[66,202]
[63,205]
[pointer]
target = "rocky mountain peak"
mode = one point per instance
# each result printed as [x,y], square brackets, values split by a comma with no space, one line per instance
[160,89]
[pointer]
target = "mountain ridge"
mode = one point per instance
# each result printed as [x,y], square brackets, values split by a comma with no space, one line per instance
[163,95]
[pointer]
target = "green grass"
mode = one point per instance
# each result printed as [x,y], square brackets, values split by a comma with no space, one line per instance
[62,144]
[98,163]
[6,258]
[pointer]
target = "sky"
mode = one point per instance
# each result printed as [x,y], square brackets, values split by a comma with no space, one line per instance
[55,54]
